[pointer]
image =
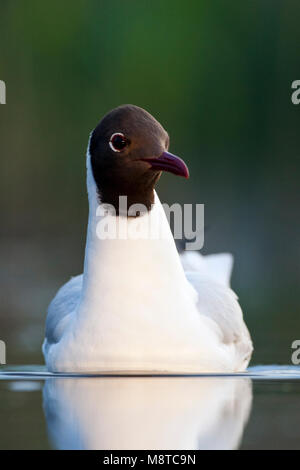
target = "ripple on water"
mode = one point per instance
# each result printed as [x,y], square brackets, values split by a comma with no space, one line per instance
[269,372]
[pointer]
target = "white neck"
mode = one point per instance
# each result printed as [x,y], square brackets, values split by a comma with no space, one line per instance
[130,269]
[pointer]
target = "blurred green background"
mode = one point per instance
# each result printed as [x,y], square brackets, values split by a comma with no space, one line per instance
[217,75]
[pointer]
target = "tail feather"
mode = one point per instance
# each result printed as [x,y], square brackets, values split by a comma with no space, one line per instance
[218,267]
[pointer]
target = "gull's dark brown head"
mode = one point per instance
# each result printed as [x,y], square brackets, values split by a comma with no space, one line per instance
[129,150]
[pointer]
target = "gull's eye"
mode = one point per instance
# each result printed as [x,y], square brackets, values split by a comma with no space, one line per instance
[118,142]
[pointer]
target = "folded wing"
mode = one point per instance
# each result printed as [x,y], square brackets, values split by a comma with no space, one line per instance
[210,277]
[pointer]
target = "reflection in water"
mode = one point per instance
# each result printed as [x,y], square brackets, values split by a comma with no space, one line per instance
[147,412]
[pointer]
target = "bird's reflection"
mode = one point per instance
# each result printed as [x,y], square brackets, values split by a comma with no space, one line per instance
[147,412]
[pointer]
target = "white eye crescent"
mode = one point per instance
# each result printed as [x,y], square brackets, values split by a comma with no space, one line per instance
[118,142]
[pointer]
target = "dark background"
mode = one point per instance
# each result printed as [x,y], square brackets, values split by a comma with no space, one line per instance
[217,75]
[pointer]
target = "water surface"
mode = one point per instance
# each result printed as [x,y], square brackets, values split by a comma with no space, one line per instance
[257,409]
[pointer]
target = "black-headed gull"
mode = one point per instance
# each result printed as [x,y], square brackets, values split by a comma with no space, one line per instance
[139,306]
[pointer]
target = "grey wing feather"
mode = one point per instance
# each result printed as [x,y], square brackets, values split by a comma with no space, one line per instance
[210,277]
[220,303]
[61,309]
